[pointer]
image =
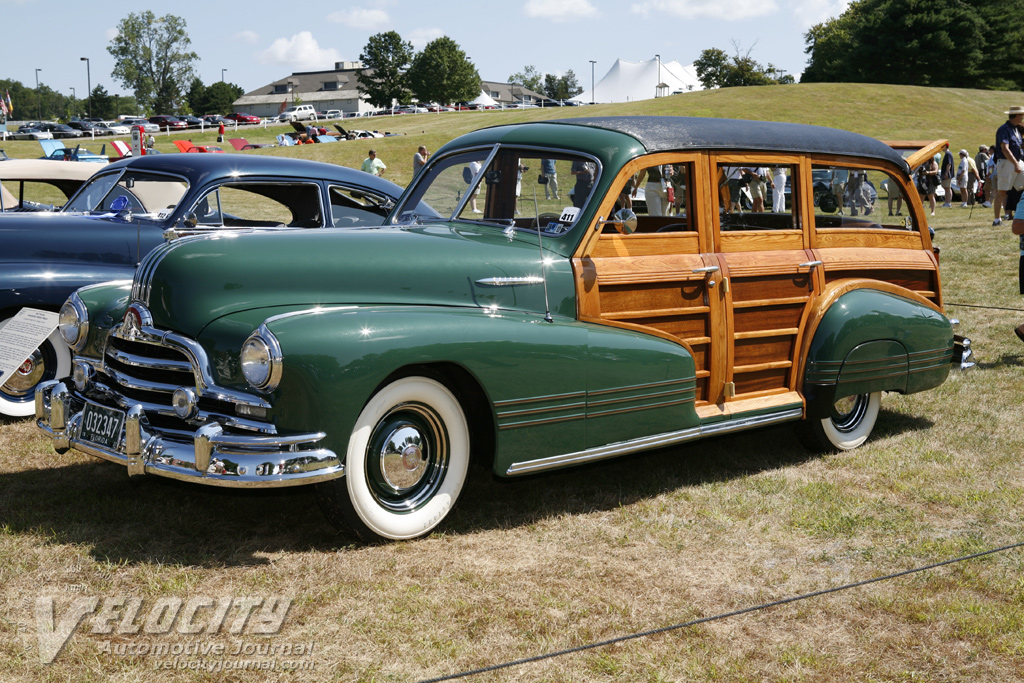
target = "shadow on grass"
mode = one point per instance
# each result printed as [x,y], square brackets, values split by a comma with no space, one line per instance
[1012,360]
[94,505]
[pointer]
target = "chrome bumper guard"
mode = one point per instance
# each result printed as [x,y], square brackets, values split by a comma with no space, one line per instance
[962,352]
[213,457]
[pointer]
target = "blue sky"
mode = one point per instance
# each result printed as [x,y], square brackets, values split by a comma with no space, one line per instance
[259,41]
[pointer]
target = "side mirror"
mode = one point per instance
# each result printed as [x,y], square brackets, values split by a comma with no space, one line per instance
[624,221]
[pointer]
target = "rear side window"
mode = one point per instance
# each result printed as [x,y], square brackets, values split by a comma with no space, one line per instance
[858,197]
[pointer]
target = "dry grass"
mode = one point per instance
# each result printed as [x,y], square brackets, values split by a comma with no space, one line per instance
[565,559]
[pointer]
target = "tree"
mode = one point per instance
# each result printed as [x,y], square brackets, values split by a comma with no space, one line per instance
[383,79]
[561,88]
[442,73]
[529,78]
[216,98]
[152,59]
[716,69]
[945,43]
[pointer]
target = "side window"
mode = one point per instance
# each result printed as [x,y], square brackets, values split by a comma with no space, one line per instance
[660,196]
[352,207]
[532,190]
[35,195]
[756,196]
[856,197]
[261,205]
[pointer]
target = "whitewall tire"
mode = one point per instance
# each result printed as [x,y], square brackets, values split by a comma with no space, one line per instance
[52,360]
[849,425]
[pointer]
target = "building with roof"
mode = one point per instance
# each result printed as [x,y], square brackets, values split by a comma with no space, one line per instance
[325,90]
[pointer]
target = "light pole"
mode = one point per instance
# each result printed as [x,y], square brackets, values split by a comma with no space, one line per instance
[74,97]
[657,88]
[39,100]
[593,97]
[222,75]
[88,81]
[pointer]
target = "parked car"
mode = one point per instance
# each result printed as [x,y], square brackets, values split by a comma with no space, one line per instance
[191,121]
[131,207]
[87,128]
[54,150]
[241,117]
[60,130]
[30,132]
[298,112]
[166,122]
[212,119]
[332,114]
[487,322]
[112,128]
[38,185]
[146,125]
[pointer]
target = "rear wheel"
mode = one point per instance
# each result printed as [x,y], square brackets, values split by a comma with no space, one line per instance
[848,426]
[406,463]
[50,361]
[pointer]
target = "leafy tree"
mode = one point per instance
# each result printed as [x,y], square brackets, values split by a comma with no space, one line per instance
[216,98]
[561,88]
[383,80]
[946,43]
[152,59]
[529,78]
[716,69]
[442,73]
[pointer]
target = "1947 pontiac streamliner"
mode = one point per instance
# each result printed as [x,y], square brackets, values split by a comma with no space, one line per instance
[493,318]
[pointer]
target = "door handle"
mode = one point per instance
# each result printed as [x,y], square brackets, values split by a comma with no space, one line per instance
[810,264]
[706,269]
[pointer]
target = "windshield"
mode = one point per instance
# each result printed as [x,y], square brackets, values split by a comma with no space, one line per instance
[525,188]
[146,195]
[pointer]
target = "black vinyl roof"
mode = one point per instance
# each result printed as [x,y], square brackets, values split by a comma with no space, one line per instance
[664,133]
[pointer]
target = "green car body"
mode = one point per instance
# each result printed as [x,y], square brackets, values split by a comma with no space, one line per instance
[473,332]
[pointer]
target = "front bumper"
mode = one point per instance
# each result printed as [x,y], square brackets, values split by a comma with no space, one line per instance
[212,457]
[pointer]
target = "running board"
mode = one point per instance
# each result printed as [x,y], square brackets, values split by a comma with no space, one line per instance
[652,442]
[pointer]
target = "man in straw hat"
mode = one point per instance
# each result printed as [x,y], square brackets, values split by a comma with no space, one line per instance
[1009,157]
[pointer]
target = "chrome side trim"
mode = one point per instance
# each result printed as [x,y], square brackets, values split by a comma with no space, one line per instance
[510,281]
[651,442]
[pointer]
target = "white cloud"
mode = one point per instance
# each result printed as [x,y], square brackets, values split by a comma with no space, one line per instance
[560,10]
[728,10]
[361,18]
[811,12]
[110,34]
[421,36]
[250,37]
[301,52]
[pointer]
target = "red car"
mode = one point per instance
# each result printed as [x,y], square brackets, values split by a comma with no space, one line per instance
[168,122]
[242,118]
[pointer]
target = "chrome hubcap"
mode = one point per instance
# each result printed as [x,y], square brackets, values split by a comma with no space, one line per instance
[407,457]
[847,412]
[27,376]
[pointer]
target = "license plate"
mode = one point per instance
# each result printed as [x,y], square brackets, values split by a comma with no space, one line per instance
[102,426]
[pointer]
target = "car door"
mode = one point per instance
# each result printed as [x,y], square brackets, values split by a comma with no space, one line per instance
[769,278]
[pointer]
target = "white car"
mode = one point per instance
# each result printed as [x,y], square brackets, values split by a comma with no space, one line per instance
[332,114]
[111,128]
[146,125]
[298,112]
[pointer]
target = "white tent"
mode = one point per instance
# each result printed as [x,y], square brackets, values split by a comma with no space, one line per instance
[485,100]
[628,81]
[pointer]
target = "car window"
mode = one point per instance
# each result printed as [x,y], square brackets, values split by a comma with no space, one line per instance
[261,205]
[354,207]
[31,195]
[660,196]
[756,195]
[858,197]
[146,195]
[524,188]
[92,193]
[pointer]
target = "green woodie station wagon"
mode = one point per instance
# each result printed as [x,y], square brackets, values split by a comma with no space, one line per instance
[544,295]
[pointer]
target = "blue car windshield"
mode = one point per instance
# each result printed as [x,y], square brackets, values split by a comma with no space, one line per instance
[149,196]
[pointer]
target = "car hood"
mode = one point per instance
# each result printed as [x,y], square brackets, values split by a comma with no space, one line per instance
[189,283]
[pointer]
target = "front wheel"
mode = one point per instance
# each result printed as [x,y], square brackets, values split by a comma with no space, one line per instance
[406,463]
[52,360]
[848,426]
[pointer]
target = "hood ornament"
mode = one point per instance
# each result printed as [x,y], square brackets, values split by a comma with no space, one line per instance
[510,232]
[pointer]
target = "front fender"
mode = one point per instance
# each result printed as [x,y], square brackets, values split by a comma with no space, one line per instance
[335,359]
[866,339]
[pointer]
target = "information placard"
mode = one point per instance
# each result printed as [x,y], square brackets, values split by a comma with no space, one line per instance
[21,336]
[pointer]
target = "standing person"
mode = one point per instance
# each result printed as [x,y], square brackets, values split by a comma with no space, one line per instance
[946,177]
[220,131]
[929,180]
[967,178]
[584,172]
[419,160]
[1017,228]
[373,165]
[654,191]
[1009,159]
[779,189]
[550,171]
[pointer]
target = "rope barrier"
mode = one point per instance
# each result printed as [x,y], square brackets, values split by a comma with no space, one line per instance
[992,308]
[704,620]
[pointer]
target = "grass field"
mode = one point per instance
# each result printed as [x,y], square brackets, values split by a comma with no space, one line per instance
[561,560]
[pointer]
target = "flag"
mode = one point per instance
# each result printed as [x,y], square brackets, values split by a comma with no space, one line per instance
[10,107]
[3,107]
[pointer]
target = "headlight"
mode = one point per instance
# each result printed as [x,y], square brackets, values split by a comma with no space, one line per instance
[73,322]
[261,360]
